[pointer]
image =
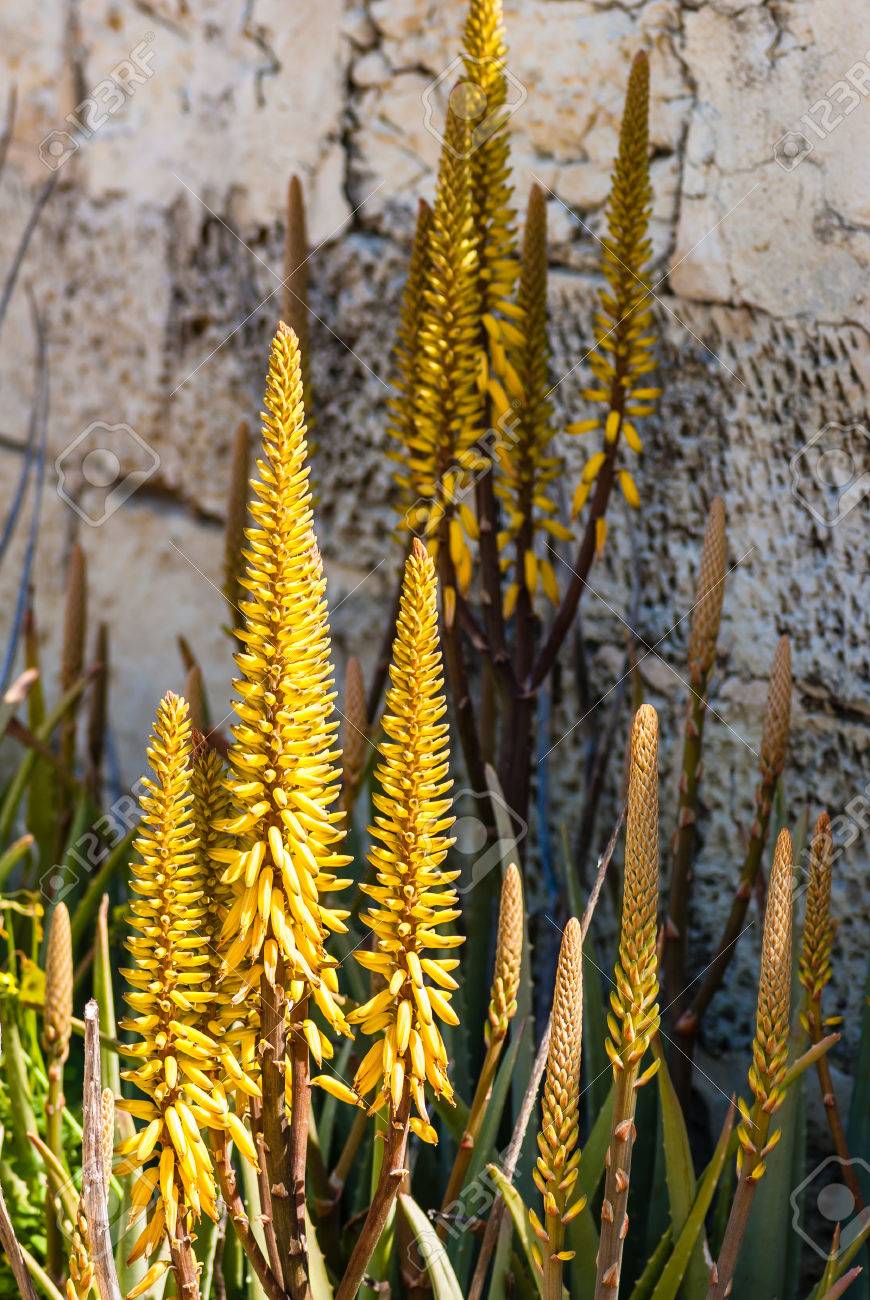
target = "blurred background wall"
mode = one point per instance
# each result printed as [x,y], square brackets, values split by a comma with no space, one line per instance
[157,265]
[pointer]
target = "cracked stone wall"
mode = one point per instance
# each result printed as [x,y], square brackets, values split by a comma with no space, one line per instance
[157,265]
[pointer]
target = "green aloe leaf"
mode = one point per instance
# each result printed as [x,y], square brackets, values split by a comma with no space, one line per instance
[519,1215]
[680,1174]
[321,1287]
[431,1250]
[675,1270]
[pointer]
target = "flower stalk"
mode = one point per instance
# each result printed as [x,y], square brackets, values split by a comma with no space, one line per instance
[767,1072]
[634,1015]
[814,969]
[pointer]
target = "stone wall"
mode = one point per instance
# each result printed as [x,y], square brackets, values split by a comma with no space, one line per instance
[157,265]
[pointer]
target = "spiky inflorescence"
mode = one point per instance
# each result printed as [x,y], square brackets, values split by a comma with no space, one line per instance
[355,737]
[441,458]
[413,896]
[525,457]
[401,426]
[176,1069]
[770,1045]
[57,1014]
[777,714]
[624,336]
[482,97]
[707,609]
[220,1017]
[558,1162]
[635,1015]
[508,956]
[818,936]
[281,858]
[297,257]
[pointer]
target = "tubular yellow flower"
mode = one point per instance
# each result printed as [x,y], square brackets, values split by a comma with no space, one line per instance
[622,358]
[281,857]
[558,1162]
[170,966]
[634,1015]
[413,896]
[770,1045]
[448,413]
[529,467]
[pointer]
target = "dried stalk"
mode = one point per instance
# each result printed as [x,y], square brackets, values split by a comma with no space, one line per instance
[95,1194]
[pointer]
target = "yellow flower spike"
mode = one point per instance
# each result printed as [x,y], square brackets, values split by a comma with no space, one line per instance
[508,956]
[282,763]
[623,322]
[413,896]
[530,468]
[560,1106]
[439,412]
[170,966]
[769,1059]
[635,1017]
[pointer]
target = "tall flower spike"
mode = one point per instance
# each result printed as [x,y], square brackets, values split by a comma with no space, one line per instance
[777,714]
[707,609]
[175,1060]
[448,412]
[769,1060]
[558,1162]
[529,467]
[814,968]
[622,358]
[482,100]
[402,405]
[634,1015]
[57,1014]
[281,857]
[413,897]
[818,936]
[508,956]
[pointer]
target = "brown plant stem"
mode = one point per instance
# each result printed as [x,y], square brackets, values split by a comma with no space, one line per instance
[276,1130]
[723,1270]
[829,1100]
[476,1114]
[184,1265]
[300,1110]
[389,1184]
[686,1029]
[226,1176]
[266,1211]
[95,1194]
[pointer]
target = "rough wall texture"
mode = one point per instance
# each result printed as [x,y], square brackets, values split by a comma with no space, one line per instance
[157,265]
